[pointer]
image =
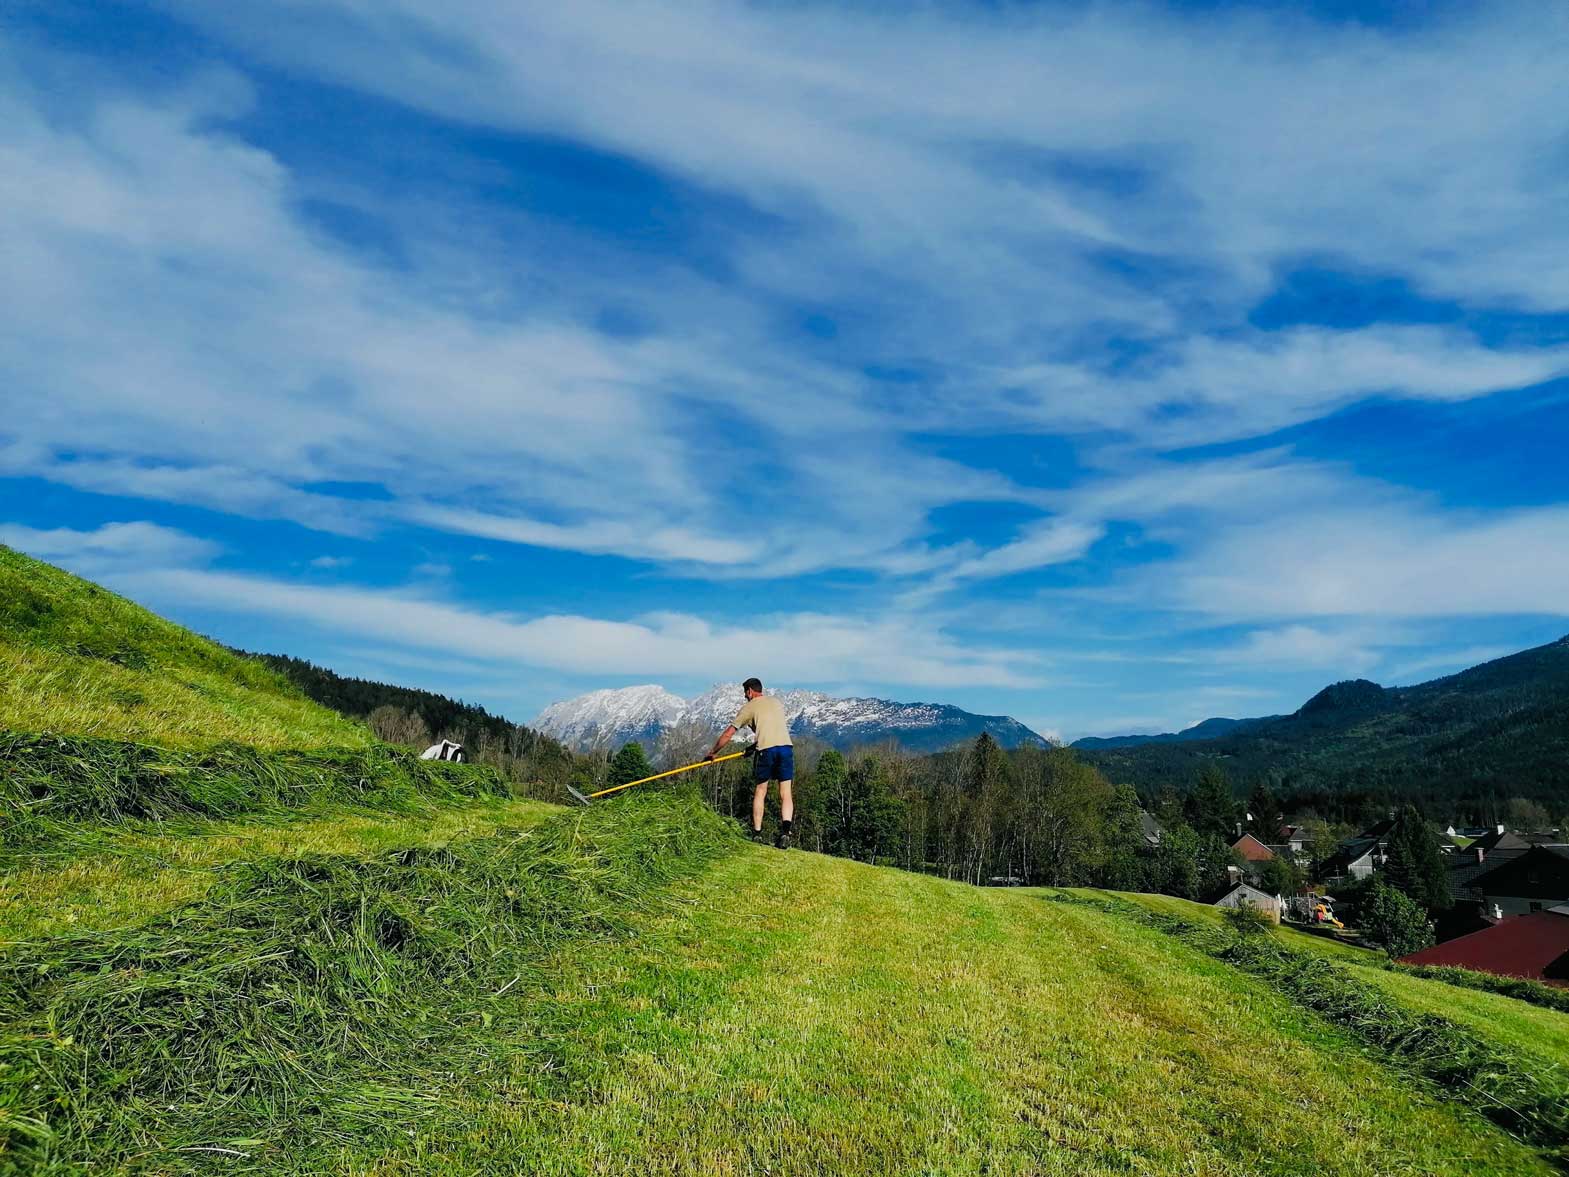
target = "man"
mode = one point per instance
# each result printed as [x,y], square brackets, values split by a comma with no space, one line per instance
[774,757]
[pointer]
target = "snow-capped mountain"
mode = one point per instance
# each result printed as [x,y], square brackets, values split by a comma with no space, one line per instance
[608,719]
[602,719]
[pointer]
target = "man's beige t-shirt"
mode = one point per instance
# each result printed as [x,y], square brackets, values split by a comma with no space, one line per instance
[766,717]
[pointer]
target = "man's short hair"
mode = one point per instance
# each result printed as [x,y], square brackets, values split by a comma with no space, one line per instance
[753,684]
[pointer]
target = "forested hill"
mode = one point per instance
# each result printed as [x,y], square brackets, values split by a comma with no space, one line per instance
[1500,729]
[358,698]
[1209,729]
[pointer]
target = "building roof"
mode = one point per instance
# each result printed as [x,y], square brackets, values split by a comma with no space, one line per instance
[1252,849]
[1496,839]
[1541,872]
[1152,830]
[1535,946]
[1349,851]
[1496,849]
[1248,892]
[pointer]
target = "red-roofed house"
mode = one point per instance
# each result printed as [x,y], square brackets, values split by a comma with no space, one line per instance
[1534,946]
[1252,849]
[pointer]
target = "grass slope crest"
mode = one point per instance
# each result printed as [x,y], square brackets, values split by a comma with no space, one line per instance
[80,660]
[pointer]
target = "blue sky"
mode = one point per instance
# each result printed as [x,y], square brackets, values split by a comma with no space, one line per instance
[1111,368]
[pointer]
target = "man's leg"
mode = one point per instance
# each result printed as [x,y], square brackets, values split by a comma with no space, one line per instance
[786,814]
[759,799]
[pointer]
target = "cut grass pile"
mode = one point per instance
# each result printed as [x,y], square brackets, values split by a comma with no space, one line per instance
[1522,1092]
[80,660]
[1495,1006]
[1520,988]
[1535,1033]
[52,784]
[313,1001]
[806,1015]
[96,878]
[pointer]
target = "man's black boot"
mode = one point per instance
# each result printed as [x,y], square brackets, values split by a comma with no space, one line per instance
[783,839]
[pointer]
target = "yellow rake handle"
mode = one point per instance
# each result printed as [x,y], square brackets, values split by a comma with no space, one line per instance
[661,775]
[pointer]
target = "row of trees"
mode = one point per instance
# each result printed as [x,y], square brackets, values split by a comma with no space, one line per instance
[1040,816]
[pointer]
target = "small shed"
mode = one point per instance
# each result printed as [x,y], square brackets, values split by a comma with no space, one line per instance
[1243,893]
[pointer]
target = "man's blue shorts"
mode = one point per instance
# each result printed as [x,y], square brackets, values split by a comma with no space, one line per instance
[773,764]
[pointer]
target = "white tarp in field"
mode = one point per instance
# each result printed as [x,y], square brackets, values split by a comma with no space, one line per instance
[446,750]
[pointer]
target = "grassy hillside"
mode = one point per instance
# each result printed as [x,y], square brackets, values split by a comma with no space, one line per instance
[1500,729]
[77,659]
[632,989]
[1541,1034]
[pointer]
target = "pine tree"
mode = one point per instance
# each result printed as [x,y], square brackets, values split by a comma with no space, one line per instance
[1177,863]
[1267,814]
[832,800]
[1123,866]
[1416,865]
[629,764]
[1212,808]
[1168,807]
[875,812]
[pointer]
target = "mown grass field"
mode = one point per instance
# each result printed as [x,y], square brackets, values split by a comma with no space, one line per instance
[799,1014]
[78,659]
[105,878]
[784,1012]
[1537,1033]
[1301,941]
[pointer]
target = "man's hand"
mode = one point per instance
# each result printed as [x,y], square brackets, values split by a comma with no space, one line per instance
[750,751]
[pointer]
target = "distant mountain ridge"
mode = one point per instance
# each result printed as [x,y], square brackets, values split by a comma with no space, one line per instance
[1497,729]
[1208,729]
[610,718]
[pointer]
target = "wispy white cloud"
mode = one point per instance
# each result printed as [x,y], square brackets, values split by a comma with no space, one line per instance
[964,221]
[1054,541]
[114,547]
[1294,646]
[1057,221]
[1399,560]
[812,647]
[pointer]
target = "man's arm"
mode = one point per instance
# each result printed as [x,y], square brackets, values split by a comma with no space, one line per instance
[724,738]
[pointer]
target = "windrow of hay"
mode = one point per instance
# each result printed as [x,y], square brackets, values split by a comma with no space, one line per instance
[1525,1099]
[315,1001]
[47,781]
[1519,988]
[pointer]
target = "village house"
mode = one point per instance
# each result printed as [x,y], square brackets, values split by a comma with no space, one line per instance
[1535,880]
[1493,849]
[1252,850]
[1152,830]
[1359,857]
